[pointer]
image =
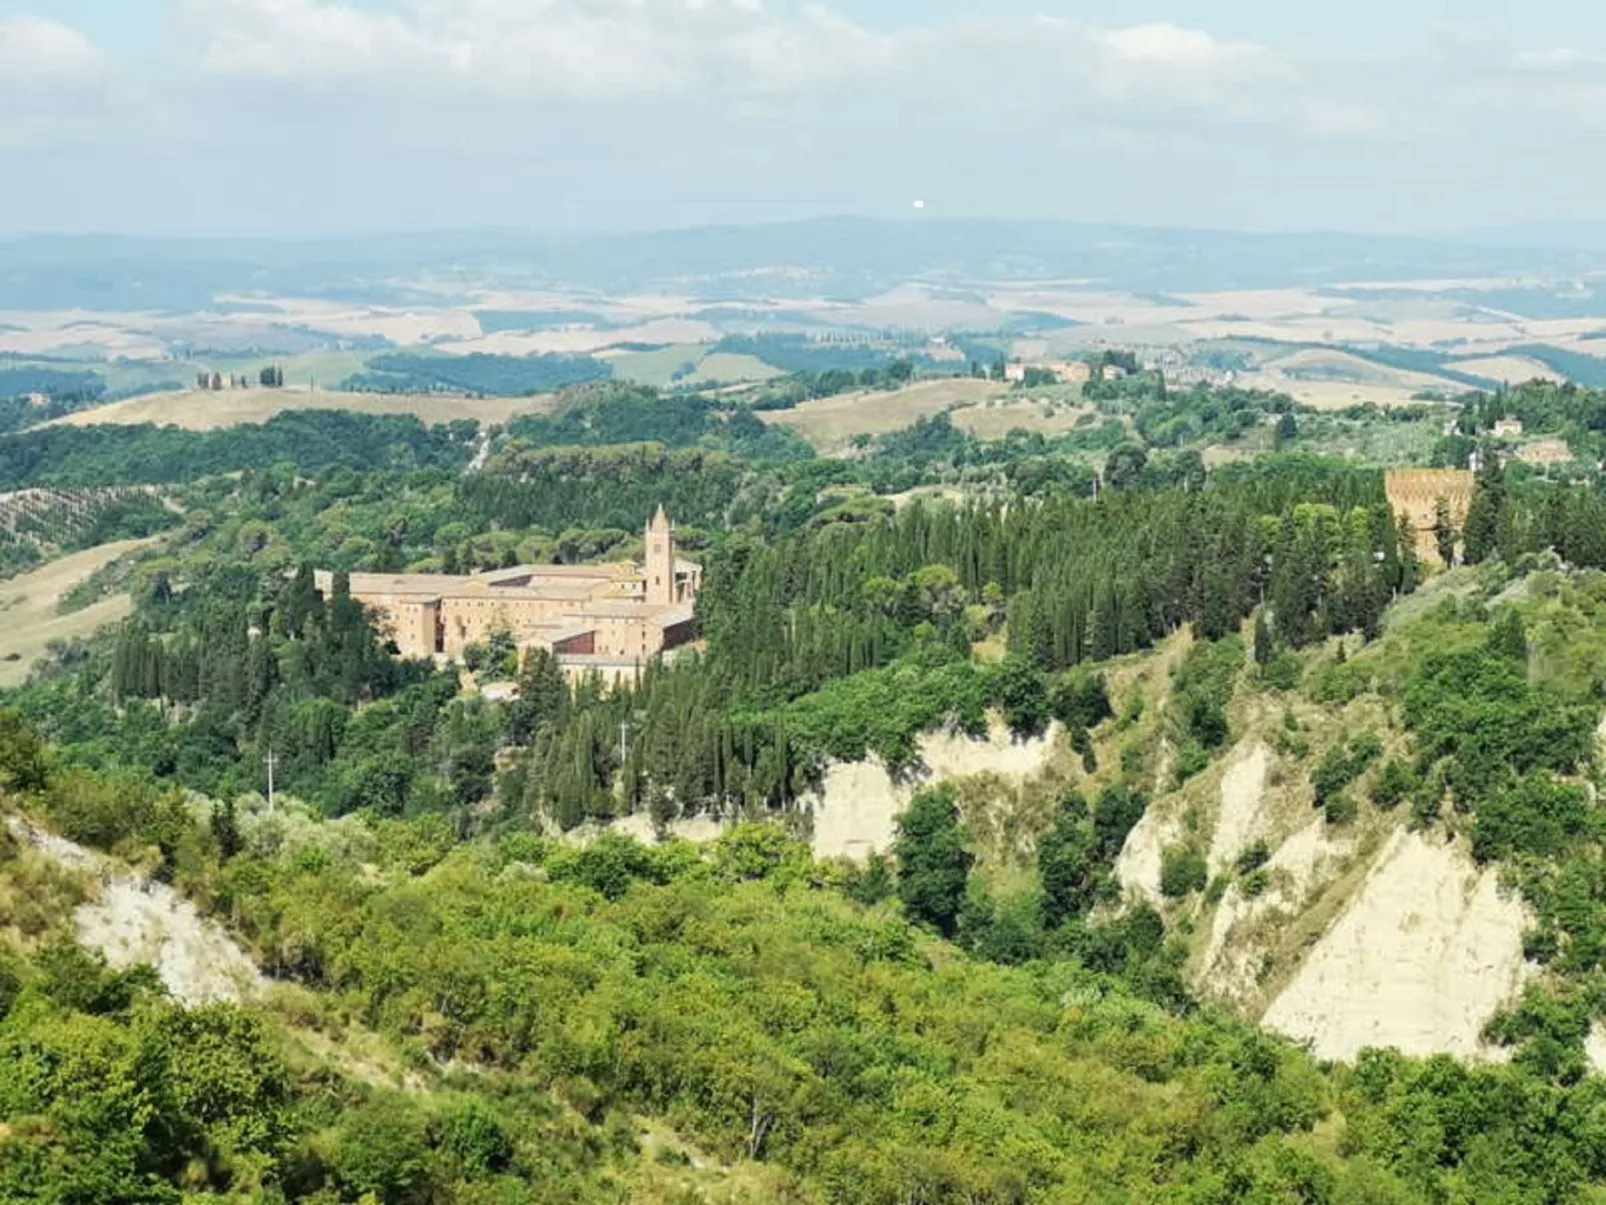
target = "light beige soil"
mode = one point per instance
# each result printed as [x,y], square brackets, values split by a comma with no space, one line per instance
[29,620]
[195,410]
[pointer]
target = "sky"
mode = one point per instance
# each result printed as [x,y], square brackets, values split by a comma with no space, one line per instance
[320,117]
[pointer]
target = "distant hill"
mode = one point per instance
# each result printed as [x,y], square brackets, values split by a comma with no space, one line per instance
[841,257]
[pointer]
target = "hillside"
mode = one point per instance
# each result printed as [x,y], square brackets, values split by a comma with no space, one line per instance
[1037,819]
[197,411]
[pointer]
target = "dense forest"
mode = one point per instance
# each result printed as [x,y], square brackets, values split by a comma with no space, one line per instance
[602,1020]
[496,376]
[315,441]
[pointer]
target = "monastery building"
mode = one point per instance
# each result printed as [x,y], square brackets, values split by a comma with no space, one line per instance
[611,619]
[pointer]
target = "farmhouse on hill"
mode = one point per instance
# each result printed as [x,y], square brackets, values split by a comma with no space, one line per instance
[609,619]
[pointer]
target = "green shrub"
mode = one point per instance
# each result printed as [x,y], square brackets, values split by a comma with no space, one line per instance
[1395,783]
[1081,700]
[1191,759]
[1536,816]
[1255,884]
[1183,870]
[1340,766]
[1253,857]
[1295,747]
[1339,808]
[1340,682]
[1282,672]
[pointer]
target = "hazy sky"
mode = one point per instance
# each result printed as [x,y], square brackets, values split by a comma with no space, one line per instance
[312,116]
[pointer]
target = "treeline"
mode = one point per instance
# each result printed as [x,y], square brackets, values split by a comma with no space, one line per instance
[479,373]
[35,526]
[316,441]
[1510,519]
[204,683]
[802,354]
[604,486]
[854,638]
[800,387]
[59,384]
[632,414]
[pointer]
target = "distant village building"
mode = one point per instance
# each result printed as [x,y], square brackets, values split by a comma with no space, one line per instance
[609,619]
[1065,372]
[1546,453]
[1508,428]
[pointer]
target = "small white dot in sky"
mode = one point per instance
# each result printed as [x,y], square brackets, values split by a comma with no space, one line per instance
[920,204]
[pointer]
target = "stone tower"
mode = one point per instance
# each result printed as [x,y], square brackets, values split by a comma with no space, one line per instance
[660,568]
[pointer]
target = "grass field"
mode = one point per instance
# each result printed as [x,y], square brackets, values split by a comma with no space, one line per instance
[197,411]
[831,422]
[1513,370]
[729,367]
[994,420]
[689,364]
[29,620]
[323,368]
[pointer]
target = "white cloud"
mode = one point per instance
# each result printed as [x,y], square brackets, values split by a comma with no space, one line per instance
[575,101]
[52,85]
[604,50]
[593,49]
[38,51]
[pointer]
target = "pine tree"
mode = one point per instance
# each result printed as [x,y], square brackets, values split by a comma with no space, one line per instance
[1486,514]
[933,860]
[1265,650]
[1444,535]
[1066,865]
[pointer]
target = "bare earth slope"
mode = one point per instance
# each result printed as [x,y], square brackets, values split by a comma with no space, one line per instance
[1428,950]
[132,921]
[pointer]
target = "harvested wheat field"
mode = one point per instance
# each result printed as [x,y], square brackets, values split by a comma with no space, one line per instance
[29,620]
[196,410]
[830,422]
[1512,370]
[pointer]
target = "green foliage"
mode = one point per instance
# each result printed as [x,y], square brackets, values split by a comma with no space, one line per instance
[1068,863]
[479,373]
[1340,766]
[1493,727]
[1282,672]
[934,860]
[634,414]
[1183,871]
[314,440]
[1252,857]
[1022,694]
[1202,688]
[1536,815]
[1081,701]
[1396,782]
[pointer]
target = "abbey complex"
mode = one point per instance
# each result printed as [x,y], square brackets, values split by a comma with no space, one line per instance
[609,618]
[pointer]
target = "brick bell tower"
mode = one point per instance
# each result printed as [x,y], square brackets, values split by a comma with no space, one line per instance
[660,567]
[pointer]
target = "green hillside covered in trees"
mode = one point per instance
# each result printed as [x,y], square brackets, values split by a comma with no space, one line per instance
[476,993]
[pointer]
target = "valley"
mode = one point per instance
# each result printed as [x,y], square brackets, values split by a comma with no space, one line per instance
[1059,742]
